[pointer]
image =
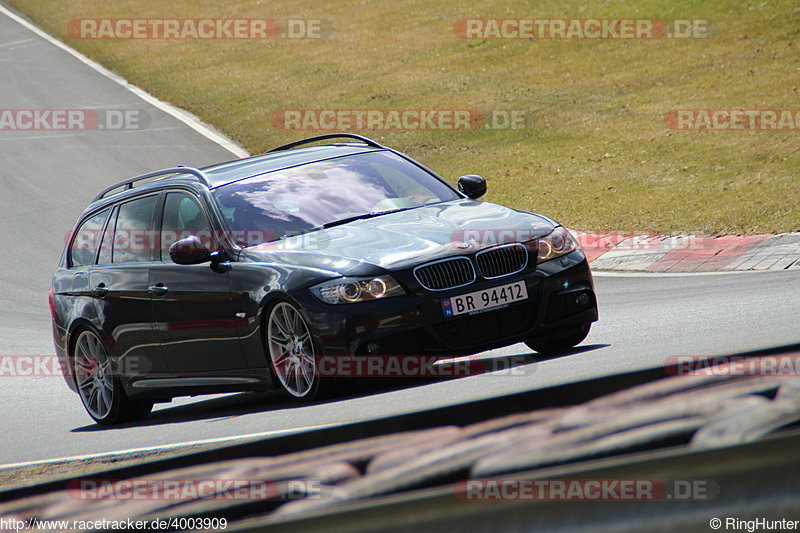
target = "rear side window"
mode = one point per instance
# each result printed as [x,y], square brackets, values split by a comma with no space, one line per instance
[104,257]
[84,247]
[132,236]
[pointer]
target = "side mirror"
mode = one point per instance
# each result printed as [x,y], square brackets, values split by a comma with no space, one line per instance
[190,251]
[472,185]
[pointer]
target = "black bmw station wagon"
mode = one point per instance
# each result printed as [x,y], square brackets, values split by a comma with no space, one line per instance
[242,275]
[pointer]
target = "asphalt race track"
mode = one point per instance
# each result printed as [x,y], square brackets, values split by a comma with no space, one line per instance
[48,177]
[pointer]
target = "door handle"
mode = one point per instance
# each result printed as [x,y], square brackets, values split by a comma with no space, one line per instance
[101,290]
[159,289]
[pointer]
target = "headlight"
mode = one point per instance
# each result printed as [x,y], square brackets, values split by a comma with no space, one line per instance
[350,290]
[557,243]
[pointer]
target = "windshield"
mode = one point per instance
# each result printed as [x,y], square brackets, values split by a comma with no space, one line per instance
[300,199]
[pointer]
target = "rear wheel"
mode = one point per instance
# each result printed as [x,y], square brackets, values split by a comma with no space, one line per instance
[560,344]
[100,390]
[291,351]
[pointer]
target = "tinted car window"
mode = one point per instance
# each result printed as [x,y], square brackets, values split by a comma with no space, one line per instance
[84,246]
[104,257]
[296,200]
[132,237]
[183,216]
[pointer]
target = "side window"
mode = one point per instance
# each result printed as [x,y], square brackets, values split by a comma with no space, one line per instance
[183,216]
[132,236]
[108,240]
[83,249]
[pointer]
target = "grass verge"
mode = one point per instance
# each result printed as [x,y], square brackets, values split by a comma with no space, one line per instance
[595,153]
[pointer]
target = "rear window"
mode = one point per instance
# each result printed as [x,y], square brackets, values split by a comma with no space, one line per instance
[84,246]
[300,199]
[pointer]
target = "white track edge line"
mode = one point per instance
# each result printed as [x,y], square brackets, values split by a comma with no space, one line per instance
[174,446]
[646,274]
[185,117]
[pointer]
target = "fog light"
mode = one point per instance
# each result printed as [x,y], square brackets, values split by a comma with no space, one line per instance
[582,299]
[373,348]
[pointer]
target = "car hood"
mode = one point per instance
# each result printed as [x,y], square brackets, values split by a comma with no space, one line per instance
[401,240]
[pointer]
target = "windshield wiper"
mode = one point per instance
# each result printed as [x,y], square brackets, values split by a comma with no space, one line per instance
[361,217]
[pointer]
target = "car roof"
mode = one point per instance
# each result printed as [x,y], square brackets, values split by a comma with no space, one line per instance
[224,173]
[221,174]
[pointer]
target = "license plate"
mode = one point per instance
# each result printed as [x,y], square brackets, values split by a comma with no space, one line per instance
[485,300]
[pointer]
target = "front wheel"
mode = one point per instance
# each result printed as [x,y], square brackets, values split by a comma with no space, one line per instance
[291,351]
[99,388]
[562,343]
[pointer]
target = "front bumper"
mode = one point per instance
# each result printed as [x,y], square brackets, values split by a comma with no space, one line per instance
[560,297]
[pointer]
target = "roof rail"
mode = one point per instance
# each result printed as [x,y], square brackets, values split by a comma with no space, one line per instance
[365,140]
[199,174]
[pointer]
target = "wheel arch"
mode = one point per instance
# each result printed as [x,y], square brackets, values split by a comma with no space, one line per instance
[75,329]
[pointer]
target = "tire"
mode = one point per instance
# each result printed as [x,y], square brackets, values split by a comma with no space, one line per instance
[292,353]
[562,343]
[100,390]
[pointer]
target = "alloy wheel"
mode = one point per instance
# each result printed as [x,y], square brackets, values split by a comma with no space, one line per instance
[93,375]
[291,350]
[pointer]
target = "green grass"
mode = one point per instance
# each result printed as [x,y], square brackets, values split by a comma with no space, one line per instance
[596,153]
